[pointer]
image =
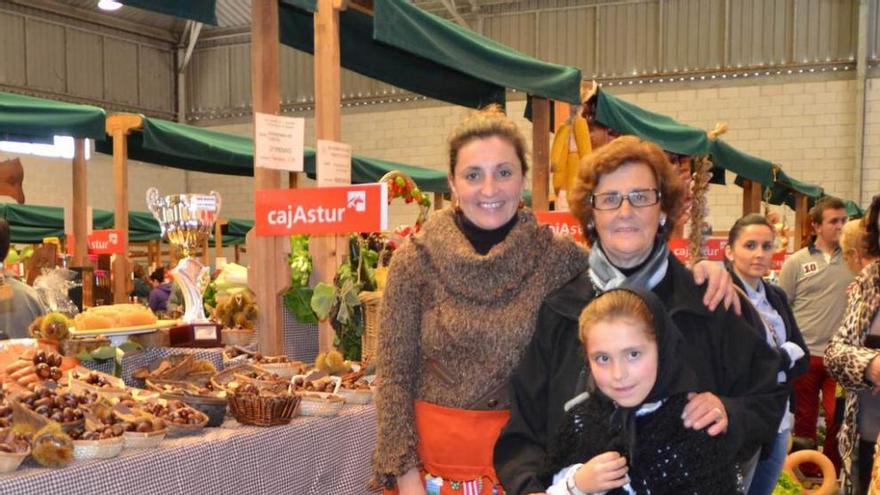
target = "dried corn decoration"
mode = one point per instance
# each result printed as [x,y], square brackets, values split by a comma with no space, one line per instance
[700,205]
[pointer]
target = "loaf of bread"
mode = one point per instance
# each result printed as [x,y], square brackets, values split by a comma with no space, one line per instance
[115,316]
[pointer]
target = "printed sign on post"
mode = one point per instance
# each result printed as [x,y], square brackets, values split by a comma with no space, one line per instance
[333,163]
[324,210]
[561,223]
[108,241]
[278,142]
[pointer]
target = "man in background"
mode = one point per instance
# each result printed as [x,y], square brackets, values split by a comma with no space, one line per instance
[815,280]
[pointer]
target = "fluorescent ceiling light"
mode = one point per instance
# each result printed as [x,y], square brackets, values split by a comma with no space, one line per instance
[109,5]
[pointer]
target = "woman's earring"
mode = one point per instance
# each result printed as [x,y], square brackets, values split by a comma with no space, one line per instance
[662,220]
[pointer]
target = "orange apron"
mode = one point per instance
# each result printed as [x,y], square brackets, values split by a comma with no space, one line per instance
[457,445]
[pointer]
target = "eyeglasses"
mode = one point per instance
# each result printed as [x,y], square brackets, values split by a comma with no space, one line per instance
[639,198]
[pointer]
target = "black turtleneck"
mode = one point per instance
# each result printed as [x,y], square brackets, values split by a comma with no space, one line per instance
[481,239]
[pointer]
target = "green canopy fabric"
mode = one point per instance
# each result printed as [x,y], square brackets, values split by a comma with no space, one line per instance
[359,53]
[38,119]
[669,134]
[740,163]
[202,150]
[29,224]
[853,210]
[203,11]
[187,147]
[401,24]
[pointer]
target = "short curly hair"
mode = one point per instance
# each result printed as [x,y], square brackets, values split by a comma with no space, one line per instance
[621,151]
[485,123]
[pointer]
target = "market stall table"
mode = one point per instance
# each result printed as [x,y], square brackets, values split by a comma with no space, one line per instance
[326,456]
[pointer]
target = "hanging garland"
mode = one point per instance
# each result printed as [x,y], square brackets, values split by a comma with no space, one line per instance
[700,206]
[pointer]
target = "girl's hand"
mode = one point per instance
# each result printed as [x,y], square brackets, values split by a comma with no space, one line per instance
[411,483]
[602,473]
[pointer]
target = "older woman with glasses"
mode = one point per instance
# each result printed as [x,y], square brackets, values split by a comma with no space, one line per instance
[626,197]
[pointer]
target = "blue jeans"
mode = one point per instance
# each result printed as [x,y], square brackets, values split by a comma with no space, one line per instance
[767,472]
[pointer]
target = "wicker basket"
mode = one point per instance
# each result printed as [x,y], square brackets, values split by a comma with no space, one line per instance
[231,336]
[159,338]
[284,370]
[10,461]
[97,449]
[258,410]
[359,397]
[320,404]
[138,440]
[370,302]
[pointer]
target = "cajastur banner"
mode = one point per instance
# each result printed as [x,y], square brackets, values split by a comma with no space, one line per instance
[322,210]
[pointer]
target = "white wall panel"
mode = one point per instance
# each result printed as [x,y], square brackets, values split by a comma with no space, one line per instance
[12,43]
[85,64]
[45,56]
[121,81]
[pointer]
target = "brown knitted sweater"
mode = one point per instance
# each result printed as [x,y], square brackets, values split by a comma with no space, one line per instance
[474,314]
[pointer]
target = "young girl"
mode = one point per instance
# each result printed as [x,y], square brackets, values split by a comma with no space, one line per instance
[627,436]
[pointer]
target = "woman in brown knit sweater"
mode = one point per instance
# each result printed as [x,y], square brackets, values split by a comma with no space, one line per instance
[458,310]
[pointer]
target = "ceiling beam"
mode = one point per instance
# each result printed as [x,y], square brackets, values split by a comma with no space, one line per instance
[193,29]
[93,17]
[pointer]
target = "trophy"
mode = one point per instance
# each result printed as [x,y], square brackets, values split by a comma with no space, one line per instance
[187,221]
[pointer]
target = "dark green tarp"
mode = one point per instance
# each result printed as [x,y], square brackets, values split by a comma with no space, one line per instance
[203,11]
[407,47]
[188,147]
[411,29]
[29,224]
[742,164]
[359,53]
[202,150]
[669,134]
[37,119]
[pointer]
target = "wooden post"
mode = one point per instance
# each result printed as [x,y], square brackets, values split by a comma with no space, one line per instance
[327,251]
[802,227]
[540,153]
[119,126]
[268,273]
[80,204]
[438,201]
[751,197]
[218,237]
[237,253]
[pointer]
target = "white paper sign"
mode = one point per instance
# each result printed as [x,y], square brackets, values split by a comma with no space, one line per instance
[278,142]
[333,163]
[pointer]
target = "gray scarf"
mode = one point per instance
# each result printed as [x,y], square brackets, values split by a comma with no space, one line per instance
[605,276]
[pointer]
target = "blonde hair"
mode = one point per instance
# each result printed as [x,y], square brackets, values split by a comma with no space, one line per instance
[490,121]
[613,305]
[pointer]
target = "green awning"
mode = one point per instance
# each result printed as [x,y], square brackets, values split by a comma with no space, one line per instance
[202,150]
[411,29]
[359,53]
[407,47]
[669,134]
[187,147]
[37,119]
[742,164]
[197,10]
[29,224]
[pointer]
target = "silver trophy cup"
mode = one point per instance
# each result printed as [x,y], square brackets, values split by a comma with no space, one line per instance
[187,221]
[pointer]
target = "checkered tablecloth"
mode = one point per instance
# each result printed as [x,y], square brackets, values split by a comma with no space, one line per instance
[300,340]
[310,456]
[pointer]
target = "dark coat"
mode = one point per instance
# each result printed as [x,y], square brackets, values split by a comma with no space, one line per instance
[728,355]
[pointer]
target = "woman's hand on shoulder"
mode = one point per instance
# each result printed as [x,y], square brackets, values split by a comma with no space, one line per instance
[720,285]
[411,483]
[705,410]
[602,473]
